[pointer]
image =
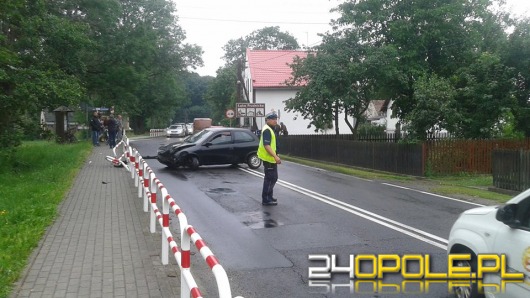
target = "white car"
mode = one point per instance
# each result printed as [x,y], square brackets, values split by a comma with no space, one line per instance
[176,130]
[501,229]
[189,128]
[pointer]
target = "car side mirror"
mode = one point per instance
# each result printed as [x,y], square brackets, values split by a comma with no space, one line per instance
[507,215]
[207,144]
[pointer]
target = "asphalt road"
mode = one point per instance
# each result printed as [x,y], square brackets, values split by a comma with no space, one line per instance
[265,249]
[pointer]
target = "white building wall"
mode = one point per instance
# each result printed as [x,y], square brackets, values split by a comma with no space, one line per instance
[390,122]
[295,122]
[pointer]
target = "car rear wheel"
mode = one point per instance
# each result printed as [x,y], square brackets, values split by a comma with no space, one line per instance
[253,161]
[194,162]
[471,290]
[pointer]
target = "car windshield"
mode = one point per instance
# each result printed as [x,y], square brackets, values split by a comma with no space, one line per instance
[175,126]
[202,135]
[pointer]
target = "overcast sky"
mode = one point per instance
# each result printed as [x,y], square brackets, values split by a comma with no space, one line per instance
[212,23]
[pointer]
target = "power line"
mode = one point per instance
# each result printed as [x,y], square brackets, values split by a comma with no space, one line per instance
[249,21]
[180,8]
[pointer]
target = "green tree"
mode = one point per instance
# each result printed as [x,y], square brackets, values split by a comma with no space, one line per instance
[40,64]
[484,94]
[196,106]
[221,93]
[435,109]
[423,38]
[129,54]
[340,76]
[140,60]
[268,38]
[517,56]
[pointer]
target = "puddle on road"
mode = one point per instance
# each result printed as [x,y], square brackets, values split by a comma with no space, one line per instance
[270,223]
[259,220]
[221,190]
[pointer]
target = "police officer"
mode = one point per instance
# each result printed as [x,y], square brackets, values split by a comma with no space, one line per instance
[267,152]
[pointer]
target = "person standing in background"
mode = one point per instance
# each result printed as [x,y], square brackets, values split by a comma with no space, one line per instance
[112,126]
[119,133]
[283,129]
[95,127]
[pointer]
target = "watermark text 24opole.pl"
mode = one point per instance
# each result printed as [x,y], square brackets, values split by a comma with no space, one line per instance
[415,270]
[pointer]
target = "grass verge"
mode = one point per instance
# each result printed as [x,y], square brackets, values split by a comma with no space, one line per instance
[462,186]
[32,185]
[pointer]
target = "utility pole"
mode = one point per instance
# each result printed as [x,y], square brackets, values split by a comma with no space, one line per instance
[238,86]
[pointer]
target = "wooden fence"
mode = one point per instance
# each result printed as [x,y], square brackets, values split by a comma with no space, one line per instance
[453,156]
[376,137]
[384,156]
[443,156]
[511,169]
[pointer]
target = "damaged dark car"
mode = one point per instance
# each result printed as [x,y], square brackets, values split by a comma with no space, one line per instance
[212,146]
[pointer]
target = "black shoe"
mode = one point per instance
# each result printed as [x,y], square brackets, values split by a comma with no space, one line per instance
[272,203]
[274,200]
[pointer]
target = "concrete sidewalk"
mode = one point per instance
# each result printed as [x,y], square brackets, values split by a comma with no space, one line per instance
[100,244]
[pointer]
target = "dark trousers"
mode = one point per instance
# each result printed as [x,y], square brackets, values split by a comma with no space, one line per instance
[112,139]
[95,137]
[271,176]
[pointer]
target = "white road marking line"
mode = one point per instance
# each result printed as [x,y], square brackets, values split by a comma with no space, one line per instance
[324,170]
[435,195]
[384,221]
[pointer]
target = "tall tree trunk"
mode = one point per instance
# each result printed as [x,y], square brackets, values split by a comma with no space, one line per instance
[336,118]
[138,124]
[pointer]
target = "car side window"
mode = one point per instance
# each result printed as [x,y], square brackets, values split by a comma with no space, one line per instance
[242,137]
[222,138]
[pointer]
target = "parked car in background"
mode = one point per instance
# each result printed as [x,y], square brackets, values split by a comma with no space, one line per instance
[496,230]
[176,130]
[189,128]
[212,146]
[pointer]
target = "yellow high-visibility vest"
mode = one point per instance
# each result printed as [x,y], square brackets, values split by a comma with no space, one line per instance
[262,153]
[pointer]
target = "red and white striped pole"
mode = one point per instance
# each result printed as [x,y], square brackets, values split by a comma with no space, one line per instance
[185,244]
[223,285]
[147,188]
[165,226]
[132,160]
[141,179]
[164,223]
[152,178]
[137,168]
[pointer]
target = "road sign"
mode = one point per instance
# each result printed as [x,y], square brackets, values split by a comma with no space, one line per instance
[250,110]
[230,113]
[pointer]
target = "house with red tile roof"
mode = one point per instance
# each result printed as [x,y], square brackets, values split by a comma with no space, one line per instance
[265,78]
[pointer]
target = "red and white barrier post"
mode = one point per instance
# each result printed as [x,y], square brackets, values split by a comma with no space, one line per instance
[141,178]
[136,169]
[132,160]
[153,190]
[223,285]
[147,188]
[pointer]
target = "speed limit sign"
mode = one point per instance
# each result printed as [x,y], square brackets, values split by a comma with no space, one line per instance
[230,113]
